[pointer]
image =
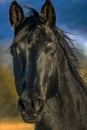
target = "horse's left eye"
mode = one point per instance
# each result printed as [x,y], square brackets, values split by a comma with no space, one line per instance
[48,49]
[52,52]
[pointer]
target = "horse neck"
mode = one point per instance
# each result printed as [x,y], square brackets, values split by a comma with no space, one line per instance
[69,80]
[73,95]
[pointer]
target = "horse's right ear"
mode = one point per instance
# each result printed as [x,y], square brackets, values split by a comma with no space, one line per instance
[48,12]
[16,14]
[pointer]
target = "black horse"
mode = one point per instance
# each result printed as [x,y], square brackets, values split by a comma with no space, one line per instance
[51,92]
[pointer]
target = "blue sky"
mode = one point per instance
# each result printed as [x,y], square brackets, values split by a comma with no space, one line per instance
[71,17]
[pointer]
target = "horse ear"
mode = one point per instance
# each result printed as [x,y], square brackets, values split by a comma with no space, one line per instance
[48,12]
[16,14]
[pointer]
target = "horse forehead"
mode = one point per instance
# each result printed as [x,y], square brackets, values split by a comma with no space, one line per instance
[37,37]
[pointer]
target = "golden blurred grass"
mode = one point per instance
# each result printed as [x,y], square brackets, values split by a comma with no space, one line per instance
[16,126]
[83,72]
[8,95]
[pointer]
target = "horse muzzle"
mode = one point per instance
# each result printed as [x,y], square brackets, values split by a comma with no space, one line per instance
[31,109]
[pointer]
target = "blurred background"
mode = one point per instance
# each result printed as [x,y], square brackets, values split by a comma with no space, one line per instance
[71,17]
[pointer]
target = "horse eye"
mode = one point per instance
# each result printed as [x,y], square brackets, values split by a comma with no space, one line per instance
[48,49]
[13,51]
[52,53]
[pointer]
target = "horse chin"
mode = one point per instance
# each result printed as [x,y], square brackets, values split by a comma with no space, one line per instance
[31,119]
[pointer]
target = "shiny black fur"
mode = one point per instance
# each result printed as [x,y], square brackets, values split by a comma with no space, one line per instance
[51,93]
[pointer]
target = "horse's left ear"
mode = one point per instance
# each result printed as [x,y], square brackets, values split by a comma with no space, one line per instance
[48,12]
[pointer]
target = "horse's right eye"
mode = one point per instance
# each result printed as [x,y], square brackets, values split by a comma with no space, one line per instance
[13,51]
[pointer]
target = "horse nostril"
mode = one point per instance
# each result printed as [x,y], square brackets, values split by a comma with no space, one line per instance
[21,105]
[37,104]
[34,105]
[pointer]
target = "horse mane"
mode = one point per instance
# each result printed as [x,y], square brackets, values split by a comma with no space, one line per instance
[67,46]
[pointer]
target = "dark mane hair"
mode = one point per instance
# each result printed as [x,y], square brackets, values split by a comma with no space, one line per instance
[67,45]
